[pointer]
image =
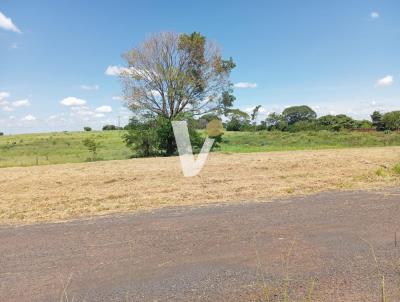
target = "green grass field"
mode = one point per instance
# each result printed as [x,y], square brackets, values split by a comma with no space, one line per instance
[285,141]
[67,147]
[56,148]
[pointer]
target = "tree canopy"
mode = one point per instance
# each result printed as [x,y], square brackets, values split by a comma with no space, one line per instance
[295,114]
[171,73]
[391,120]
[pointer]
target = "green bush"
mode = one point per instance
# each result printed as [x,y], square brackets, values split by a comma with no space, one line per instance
[391,120]
[337,122]
[155,136]
[134,123]
[303,126]
[111,127]
[87,129]
[396,169]
[92,146]
[143,142]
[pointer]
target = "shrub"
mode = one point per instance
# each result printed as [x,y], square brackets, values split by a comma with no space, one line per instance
[262,126]
[336,122]
[1,133]
[303,126]
[364,124]
[391,120]
[166,138]
[381,172]
[155,136]
[111,127]
[133,123]
[143,142]
[87,129]
[396,169]
[234,124]
[92,146]
[275,121]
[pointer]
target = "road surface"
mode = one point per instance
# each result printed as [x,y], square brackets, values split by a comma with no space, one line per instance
[323,244]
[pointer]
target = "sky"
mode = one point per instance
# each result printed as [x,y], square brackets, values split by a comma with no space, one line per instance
[58,59]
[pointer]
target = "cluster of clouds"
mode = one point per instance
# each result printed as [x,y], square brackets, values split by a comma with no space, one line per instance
[7,105]
[78,113]
[78,107]
[386,81]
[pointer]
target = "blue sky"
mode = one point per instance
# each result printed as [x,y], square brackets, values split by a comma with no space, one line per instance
[336,56]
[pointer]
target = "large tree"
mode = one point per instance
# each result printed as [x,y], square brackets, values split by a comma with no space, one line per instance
[337,122]
[169,74]
[298,113]
[376,118]
[391,120]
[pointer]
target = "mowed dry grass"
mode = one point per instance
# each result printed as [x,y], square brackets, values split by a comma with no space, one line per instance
[60,192]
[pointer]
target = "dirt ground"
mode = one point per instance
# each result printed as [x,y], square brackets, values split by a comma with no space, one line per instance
[61,192]
[320,247]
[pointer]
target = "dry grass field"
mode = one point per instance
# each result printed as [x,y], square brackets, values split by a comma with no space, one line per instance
[65,191]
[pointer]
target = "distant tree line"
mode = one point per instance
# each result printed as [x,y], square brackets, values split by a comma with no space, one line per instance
[302,118]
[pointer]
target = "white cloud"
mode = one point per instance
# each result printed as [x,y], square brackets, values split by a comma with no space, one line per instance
[90,87]
[7,24]
[386,81]
[8,109]
[21,103]
[117,98]
[98,115]
[245,85]
[54,116]
[72,101]
[15,104]
[375,15]
[115,70]
[104,109]
[28,118]
[79,108]
[4,102]
[3,95]
[81,111]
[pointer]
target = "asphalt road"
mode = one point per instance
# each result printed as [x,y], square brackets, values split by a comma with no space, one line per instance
[218,253]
